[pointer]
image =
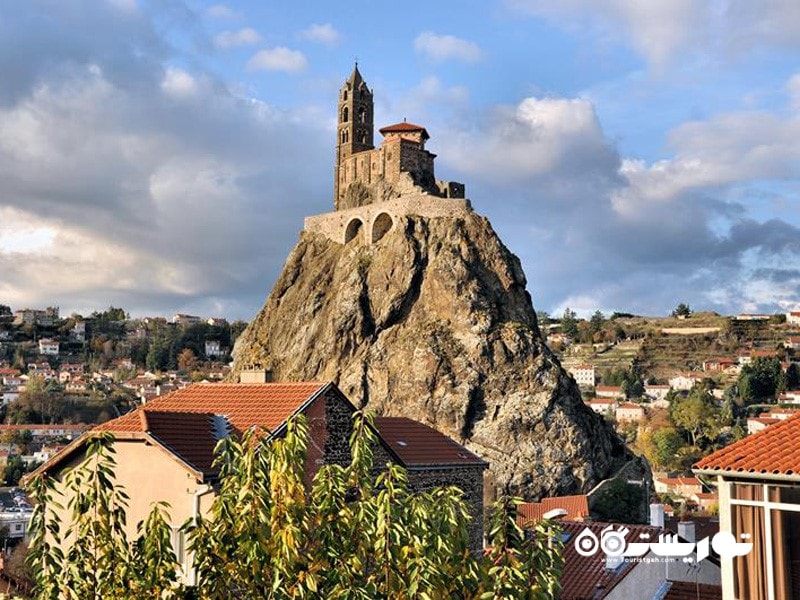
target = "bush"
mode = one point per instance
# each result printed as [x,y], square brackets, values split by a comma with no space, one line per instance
[351,535]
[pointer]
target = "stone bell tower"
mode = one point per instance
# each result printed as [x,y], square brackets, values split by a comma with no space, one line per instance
[355,130]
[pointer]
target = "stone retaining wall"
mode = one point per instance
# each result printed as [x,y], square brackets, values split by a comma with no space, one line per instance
[343,226]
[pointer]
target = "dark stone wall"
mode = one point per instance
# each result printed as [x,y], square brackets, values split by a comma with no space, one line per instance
[330,422]
[469,479]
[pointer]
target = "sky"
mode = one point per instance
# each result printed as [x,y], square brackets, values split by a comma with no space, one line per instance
[160,155]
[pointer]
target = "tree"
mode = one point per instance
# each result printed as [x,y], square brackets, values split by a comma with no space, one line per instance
[666,443]
[14,470]
[682,310]
[620,502]
[271,535]
[761,380]
[596,322]
[187,361]
[696,414]
[569,323]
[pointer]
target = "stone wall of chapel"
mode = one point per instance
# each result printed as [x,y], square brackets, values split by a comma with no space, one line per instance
[334,224]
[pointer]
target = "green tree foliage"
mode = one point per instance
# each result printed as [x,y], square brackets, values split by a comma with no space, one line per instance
[697,415]
[628,379]
[596,322]
[666,442]
[682,310]
[620,502]
[269,534]
[792,377]
[569,323]
[14,470]
[761,380]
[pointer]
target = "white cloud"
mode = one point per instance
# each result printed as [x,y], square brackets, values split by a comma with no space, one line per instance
[662,30]
[125,181]
[538,136]
[441,48]
[242,37]
[222,12]
[278,59]
[324,33]
[178,83]
[657,28]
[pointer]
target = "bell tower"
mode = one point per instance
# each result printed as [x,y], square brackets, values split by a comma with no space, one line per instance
[355,125]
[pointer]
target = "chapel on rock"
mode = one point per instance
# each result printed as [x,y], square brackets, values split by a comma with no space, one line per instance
[372,186]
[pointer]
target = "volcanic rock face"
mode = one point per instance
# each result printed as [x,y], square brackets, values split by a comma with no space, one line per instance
[433,322]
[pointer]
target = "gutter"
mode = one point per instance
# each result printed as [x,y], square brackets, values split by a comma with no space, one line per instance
[794,478]
[199,493]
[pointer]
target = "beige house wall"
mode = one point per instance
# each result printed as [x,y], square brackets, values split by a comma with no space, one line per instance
[146,472]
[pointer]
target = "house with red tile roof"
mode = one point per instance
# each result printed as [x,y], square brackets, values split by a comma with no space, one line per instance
[629,412]
[164,450]
[793,317]
[681,486]
[756,424]
[596,576]
[609,391]
[603,406]
[583,374]
[758,481]
[567,508]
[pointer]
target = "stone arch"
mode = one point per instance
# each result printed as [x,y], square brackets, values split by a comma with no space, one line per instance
[353,230]
[381,226]
[362,115]
[345,114]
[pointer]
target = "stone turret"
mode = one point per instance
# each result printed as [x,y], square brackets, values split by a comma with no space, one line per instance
[355,129]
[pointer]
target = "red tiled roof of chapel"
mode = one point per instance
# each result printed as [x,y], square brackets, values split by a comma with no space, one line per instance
[404,128]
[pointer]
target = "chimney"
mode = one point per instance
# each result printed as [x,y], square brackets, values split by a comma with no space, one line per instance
[612,562]
[686,530]
[657,515]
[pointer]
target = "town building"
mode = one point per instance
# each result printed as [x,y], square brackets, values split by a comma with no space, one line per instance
[48,347]
[629,412]
[609,391]
[685,381]
[603,406]
[164,450]
[598,576]
[567,508]
[758,481]
[186,320]
[793,317]
[680,486]
[584,375]
[213,348]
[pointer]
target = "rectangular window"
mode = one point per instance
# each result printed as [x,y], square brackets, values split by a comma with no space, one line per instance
[178,540]
[771,570]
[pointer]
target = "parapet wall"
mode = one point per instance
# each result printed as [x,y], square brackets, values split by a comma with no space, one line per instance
[370,222]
